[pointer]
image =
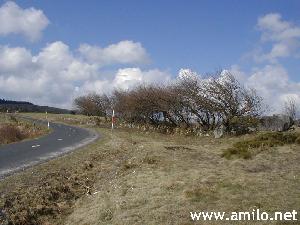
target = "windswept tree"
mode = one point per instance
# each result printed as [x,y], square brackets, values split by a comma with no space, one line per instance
[190,101]
[145,104]
[231,100]
[217,100]
[85,105]
[93,105]
[191,92]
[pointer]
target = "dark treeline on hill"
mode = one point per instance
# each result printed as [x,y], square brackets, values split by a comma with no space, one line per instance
[22,106]
[190,102]
[9,102]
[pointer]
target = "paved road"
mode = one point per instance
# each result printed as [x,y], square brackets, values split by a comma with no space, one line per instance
[63,138]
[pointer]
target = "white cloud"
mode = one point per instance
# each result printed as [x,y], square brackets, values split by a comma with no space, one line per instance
[124,52]
[125,79]
[56,75]
[129,77]
[14,59]
[59,62]
[276,29]
[57,53]
[270,78]
[283,35]
[239,74]
[98,86]
[271,82]
[272,22]
[28,22]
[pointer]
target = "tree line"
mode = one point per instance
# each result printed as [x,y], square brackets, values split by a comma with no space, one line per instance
[22,106]
[189,102]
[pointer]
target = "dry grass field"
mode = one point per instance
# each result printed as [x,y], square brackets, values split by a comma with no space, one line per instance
[129,177]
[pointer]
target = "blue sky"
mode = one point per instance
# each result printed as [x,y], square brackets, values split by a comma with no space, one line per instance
[204,36]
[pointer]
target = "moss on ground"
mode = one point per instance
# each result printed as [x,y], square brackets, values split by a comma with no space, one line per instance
[246,149]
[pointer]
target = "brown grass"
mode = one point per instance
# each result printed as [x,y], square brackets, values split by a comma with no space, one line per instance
[10,133]
[13,129]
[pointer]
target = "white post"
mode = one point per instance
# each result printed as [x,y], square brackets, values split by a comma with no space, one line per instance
[113,119]
[48,124]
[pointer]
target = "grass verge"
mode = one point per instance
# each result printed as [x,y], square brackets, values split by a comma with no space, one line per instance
[13,129]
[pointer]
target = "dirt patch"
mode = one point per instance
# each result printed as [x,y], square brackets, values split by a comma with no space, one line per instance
[177,148]
[46,197]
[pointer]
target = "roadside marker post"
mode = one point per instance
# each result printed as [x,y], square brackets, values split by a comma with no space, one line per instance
[112,119]
[48,124]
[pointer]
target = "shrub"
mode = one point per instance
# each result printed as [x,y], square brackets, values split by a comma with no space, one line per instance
[241,125]
[240,152]
[248,148]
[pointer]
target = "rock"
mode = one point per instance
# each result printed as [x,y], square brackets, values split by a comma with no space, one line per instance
[275,123]
[252,129]
[2,215]
[199,133]
[233,132]
[219,131]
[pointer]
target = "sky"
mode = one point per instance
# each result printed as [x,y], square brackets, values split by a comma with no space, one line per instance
[54,51]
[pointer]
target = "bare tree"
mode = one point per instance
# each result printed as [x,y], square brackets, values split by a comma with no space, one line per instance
[190,102]
[231,101]
[93,105]
[218,99]
[85,105]
[194,102]
[290,108]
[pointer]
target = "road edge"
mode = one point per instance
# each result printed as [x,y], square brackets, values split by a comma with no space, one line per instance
[59,153]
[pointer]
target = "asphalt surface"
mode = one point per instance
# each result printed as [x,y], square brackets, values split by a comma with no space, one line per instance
[63,138]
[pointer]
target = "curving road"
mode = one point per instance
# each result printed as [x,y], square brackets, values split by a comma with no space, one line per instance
[62,139]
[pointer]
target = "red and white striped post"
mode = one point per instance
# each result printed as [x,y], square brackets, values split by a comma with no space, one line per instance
[48,124]
[113,119]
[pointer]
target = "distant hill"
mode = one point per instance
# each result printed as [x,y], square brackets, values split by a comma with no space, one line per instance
[22,106]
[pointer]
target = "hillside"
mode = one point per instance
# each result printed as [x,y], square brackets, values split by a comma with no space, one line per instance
[23,106]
